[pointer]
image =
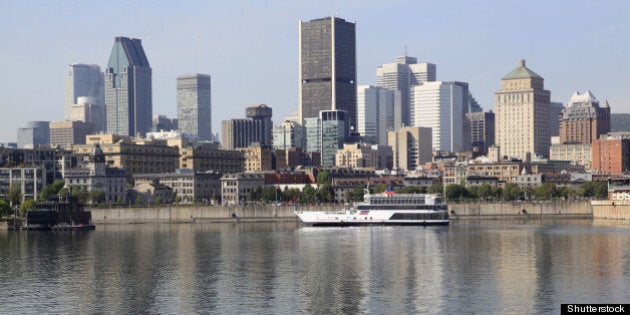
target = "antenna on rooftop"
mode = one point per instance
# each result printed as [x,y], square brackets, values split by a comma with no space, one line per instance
[405,50]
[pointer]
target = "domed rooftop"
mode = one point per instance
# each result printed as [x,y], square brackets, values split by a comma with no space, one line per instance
[521,72]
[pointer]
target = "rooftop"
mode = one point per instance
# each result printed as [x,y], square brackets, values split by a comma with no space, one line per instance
[521,72]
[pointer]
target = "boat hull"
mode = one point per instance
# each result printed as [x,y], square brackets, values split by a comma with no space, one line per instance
[379,217]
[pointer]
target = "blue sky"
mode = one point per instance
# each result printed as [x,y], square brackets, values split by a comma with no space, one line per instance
[250,47]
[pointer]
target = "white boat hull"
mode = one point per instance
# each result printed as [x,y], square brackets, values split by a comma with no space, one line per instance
[387,217]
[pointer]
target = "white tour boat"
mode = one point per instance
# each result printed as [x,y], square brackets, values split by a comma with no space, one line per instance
[387,208]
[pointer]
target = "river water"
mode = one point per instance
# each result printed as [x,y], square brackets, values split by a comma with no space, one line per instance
[286,268]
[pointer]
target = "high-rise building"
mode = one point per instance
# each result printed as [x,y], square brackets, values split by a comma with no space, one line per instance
[88,110]
[583,120]
[411,147]
[610,154]
[441,106]
[83,81]
[375,112]
[289,134]
[313,134]
[35,134]
[128,91]
[327,67]
[257,127]
[335,129]
[163,123]
[194,106]
[555,113]
[404,73]
[481,126]
[522,114]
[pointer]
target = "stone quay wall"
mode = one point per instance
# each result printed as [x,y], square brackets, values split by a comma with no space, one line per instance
[611,209]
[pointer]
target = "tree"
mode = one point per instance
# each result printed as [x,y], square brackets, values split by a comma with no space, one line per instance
[326,193]
[97,196]
[379,189]
[14,195]
[63,191]
[412,190]
[546,191]
[5,208]
[512,192]
[484,192]
[52,189]
[597,190]
[436,188]
[456,192]
[309,194]
[139,199]
[323,178]
[158,200]
[27,205]
[357,193]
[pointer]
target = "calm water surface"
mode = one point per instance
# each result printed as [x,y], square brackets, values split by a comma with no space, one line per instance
[286,268]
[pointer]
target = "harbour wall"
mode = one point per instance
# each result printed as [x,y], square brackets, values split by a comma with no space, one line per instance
[512,210]
[611,209]
[457,211]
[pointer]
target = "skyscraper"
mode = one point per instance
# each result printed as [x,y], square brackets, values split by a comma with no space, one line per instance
[334,132]
[404,73]
[83,81]
[128,91]
[194,106]
[36,134]
[584,120]
[522,114]
[375,112]
[442,106]
[241,133]
[327,67]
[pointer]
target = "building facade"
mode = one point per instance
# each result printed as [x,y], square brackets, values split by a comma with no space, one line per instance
[256,128]
[611,154]
[375,112]
[88,110]
[68,133]
[83,80]
[189,186]
[522,114]
[401,75]
[482,134]
[411,147]
[327,67]
[364,155]
[335,129]
[289,134]
[583,120]
[31,181]
[441,106]
[205,157]
[36,134]
[194,114]
[236,188]
[128,89]
[257,158]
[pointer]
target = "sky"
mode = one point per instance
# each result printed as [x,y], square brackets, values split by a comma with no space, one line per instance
[250,48]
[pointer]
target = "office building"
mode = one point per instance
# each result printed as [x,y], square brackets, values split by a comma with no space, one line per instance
[583,120]
[481,126]
[257,158]
[327,67]
[313,134]
[189,186]
[522,114]
[364,155]
[375,112]
[83,80]
[68,133]
[289,134]
[89,111]
[194,115]
[555,115]
[401,75]
[441,106]
[163,123]
[128,89]
[35,134]
[411,147]
[241,133]
[335,129]
[610,154]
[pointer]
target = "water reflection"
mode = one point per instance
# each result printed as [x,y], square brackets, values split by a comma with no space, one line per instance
[472,267]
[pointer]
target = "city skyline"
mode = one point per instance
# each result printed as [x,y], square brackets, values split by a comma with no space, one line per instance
[573,45]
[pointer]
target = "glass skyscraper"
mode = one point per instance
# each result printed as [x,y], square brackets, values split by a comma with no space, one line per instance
[128,92]
[327,69]
[194,116]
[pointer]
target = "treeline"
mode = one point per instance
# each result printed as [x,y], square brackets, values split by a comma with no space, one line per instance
[511,192]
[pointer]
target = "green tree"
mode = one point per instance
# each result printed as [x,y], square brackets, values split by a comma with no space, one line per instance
[566,192]
[378,189]
[512,192]
[484,192]
[5,208]
[596,190]
[326,193]
[81,193]
[27,205]
[323,178]
[158,200]
[546,191]
[309,194]
[63,191]
[139,199]
[412,190]
[456,192]
[97,196]
[14,195]
[52,189]
[357,193]
[436,188]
